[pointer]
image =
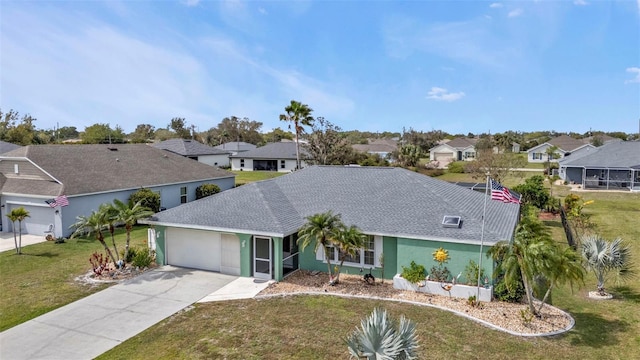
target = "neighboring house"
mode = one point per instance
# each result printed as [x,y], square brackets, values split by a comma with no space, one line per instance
[279,157]
[382,147]
[196,150]
[6,147]
[564,144]
[458,149]
[614,165]
[252,230]
[235,147]
[90,175]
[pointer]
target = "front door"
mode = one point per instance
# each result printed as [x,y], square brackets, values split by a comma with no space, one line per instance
[262,257]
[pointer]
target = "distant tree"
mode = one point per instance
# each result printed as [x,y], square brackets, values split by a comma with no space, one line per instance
[19,215]
[16,130]
[408,155]
[484,144]
[498,165]
[67,132]
[233,128]
[326,146]
[534,192]
[552,154]
[299,115]
[423,140]
[164,134]
[277,135]
[147,198]
[102,134]
[620,135]
[179,127]
[143,133]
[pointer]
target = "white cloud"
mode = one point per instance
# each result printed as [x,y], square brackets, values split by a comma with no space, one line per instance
[440,94]
[580,2]
[515,13]
[495,5]
[262,11]
[191,2]
[632,70]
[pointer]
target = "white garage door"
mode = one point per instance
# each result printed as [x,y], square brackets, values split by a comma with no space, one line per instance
[40,217]
[230,262]
[443,156]
[193,249]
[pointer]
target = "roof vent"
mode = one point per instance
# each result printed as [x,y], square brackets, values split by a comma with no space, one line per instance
[451,221]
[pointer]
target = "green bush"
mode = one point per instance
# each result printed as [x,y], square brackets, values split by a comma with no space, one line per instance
[142,259]
[471,273]
[456,167]
[148,198]
[414,273]
[205,190]
[132,254]
[502,292]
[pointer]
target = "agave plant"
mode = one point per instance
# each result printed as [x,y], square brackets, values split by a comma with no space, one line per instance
[602,257]
[378,338]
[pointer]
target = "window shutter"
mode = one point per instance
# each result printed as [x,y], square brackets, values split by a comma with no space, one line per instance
[378,249]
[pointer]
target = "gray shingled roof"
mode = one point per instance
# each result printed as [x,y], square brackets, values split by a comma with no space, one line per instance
[187,147]
[614,154]
[279,150]
[6,147]
[236,146]
[86,169]
[462,143]
[382,201]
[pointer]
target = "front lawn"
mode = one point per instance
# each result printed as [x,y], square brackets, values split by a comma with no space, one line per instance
[42,278]
[245,177]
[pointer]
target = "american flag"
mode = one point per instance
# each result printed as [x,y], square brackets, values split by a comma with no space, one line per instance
[58,201]
[501,193]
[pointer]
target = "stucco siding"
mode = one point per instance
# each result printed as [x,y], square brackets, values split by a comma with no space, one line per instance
[421,252]
[214,160]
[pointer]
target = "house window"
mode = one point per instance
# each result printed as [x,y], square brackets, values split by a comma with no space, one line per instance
[537,156]
[283,164]
[183,195]
[365,257]
[241,163]
[469,155]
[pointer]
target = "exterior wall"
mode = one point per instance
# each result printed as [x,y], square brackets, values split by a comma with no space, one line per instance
[235,164]
[421,252]
[572,174]
[442,149]
[12,202]
[469,154]
[214,160]
[542,149]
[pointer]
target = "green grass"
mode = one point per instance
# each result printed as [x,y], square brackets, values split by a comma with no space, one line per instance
[308,327]
[42,278]
[245,177]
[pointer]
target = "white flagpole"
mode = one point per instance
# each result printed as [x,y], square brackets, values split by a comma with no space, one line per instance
[484,213]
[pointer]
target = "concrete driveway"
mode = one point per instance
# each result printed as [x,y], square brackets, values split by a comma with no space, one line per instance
[90,326]
[7,242]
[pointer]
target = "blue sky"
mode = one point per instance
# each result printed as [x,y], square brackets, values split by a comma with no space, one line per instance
[457,66]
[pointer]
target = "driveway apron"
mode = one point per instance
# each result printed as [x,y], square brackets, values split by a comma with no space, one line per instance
[90,326]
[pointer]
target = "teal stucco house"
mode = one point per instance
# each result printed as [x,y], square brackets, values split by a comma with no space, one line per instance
[252,230]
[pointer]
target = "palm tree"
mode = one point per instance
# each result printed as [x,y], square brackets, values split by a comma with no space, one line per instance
[531,254]
[378,337]
[602,257]
[94,223]
[18,214]
[299,114]
[129,214]
[349,241]
[565,267]
[110,214]
[321,229]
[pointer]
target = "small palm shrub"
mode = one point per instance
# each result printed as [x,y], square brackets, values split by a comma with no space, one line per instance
[379,337]
[606,257]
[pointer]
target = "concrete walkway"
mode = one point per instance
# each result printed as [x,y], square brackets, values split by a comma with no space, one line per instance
[7,243]
[91,326]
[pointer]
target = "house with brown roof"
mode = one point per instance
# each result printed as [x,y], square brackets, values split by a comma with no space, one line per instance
[382,147]
[90,175]
[564,145]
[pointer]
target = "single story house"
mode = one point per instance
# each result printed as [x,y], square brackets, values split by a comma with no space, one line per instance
[196,150]
[614,165]
[280,156]
[235,147]
[382,147]
[90,175]
[458,149]
[252,230]
[565,145]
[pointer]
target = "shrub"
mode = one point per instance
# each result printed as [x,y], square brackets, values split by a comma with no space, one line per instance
[471,273]
[456,167]
[433,172]
[205,190]
[142,259]
[132,254]
[59,240]
[414,273]
[99,263]
[148,198]
[502,292]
